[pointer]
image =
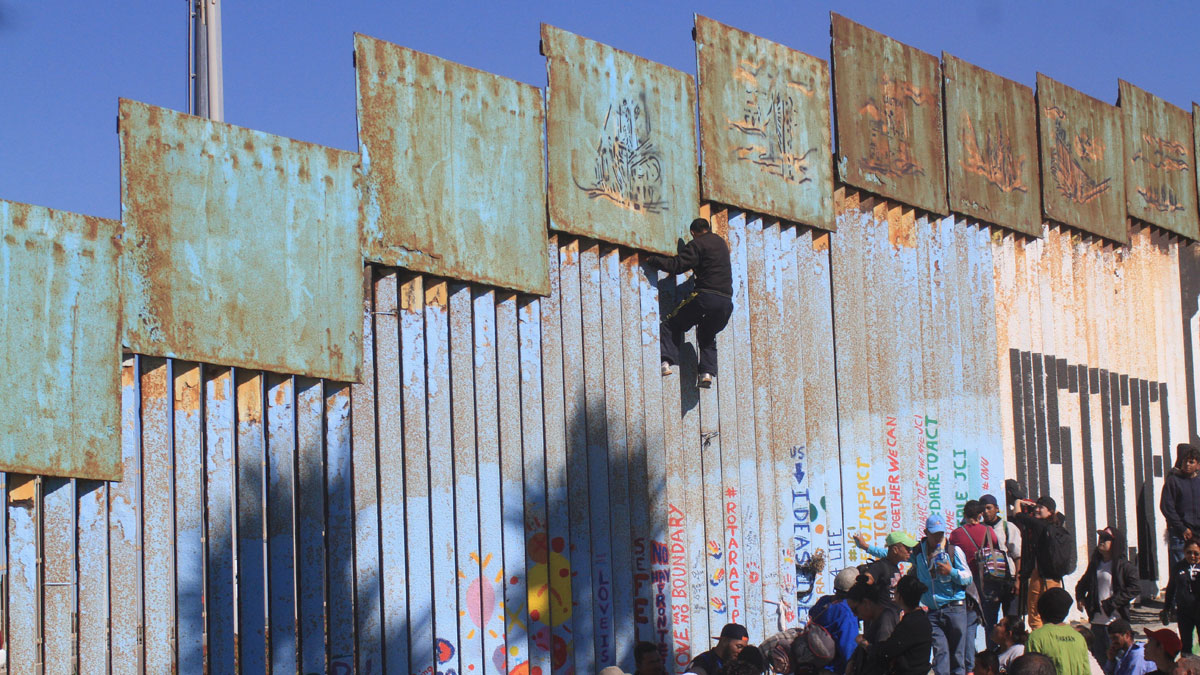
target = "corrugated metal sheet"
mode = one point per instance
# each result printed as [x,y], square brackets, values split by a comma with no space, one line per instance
[764,126]
[888,104]
[1082,153]
[621,137]
[991,157]
[220,220]
[1160,161]
[452,166]
[60,348]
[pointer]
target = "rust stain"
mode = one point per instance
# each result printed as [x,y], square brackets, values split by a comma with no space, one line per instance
[435,294]
[154,378]
[187,387]
[820,241]
[411,294]
[902,227]
[249,402]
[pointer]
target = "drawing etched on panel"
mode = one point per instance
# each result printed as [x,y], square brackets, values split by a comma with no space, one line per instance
[628,166]
[889,152]
[992,156]
[770,121]
[1164,155]
[1070,177]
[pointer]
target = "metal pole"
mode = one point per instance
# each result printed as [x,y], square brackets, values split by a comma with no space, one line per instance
[207,85]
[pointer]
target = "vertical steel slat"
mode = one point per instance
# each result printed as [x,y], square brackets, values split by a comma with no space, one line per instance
[281,532]
[251,498]
[24,624]
[759,383]
[1002,308]
[880,271]
[601,597]
[416,474]
[489,586]
[512,610]
[847,249]
[124,533]
[657,506]
[957,416]
[441,476]
[900,438]
[189,515]
[583,645]
[621,568]
[555,591]
[937,475]
[218,438]
[158,554]
[737,362]
[93,578]
[310,524]
[820,402]
[58,586]
[711,501]
[991,372]
[533,590]
[795,531]
[640,513]
[1049,277]
[690,472]
[368,597]
[391,473]
[466,483]
[339,534]
[782,577]
[726,494]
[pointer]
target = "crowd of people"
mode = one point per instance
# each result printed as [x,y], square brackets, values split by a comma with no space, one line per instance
[921,606]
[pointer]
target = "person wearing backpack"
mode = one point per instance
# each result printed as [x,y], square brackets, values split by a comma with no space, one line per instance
[1107,587]
[978,544]
[1048,552]
[998,601]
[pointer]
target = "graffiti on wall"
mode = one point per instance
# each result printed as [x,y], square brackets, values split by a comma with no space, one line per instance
[1167,156]
[627,167]
[1071,179]
[770,122]
[992,156]
[890,149]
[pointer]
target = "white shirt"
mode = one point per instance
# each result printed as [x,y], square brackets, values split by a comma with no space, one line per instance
[1104,585]
[1007,656]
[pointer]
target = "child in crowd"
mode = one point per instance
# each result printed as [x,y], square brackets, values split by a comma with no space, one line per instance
[1009,637]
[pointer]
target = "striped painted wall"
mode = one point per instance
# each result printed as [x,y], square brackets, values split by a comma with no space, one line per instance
[1092,389]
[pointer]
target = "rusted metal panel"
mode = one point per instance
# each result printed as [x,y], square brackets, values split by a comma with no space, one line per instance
[61,349]
[92,561]
[23,595]
[453,168]
[251,496]
[339,547]
[416,469]
[888,103]
[310,525]
[394,580]
[281,526]
[58,574]
[220,490]
[621,137]
[189,514]
[764,126]
[1082,150]
[441,475]
[991,157]
[369,597]
[158,516]
[125,515]
[205,206]
[1160,161]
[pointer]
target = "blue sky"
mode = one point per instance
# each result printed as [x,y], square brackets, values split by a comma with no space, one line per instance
[64,63]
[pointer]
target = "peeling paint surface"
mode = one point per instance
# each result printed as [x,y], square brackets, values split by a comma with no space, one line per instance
[991,153]
[60,347]
[621,141]
[235,238]
[453,170]
[764,126]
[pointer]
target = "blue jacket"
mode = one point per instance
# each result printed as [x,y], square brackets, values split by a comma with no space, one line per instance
[835,616]
[942,589]
[1132,662]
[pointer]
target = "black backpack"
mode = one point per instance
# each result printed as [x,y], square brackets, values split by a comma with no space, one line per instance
[1056,553]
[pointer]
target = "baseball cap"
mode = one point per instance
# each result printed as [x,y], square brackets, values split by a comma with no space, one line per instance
[988,500]
[934,524]
[1167,639]
[734,631]
[1107,532]
[845,579]
[901,538]
[1047,502]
